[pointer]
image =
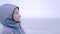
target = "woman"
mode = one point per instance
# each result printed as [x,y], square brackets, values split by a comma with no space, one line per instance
[10,19]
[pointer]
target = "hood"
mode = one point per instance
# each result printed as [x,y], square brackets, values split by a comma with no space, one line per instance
[6,12]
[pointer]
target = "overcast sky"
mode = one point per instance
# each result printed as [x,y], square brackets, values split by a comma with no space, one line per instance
[36,8]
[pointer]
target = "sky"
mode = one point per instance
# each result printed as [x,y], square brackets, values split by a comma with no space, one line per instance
[44,9]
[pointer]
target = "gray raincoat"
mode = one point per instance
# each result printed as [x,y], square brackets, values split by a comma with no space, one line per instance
[9,26]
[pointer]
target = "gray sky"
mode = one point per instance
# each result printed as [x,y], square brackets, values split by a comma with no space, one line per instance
[37,8]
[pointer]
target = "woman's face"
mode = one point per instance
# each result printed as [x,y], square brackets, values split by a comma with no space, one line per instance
[16,15]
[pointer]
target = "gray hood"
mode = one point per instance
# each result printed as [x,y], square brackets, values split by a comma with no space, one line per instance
[6,12]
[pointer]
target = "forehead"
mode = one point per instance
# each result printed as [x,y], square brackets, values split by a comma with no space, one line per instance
[16,10]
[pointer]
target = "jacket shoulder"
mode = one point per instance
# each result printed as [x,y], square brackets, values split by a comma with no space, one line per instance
[6,31]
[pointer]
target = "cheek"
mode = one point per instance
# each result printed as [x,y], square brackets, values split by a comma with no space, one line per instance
[16,17]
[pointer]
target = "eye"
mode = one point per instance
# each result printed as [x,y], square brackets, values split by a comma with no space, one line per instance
[16,12]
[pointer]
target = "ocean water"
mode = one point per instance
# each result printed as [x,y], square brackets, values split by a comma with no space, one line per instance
[41,26]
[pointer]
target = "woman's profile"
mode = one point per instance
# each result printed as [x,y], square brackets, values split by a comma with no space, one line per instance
[10,19]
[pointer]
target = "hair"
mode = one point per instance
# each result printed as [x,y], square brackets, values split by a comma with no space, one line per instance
[13,13]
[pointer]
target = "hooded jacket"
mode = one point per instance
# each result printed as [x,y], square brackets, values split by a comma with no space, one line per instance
[9,26]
